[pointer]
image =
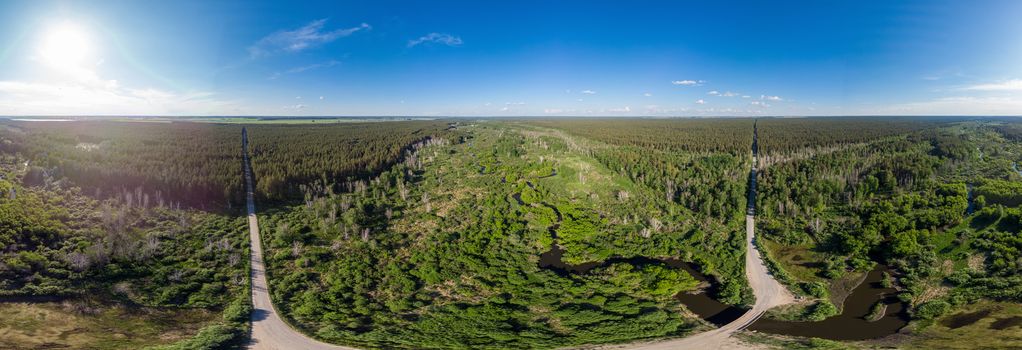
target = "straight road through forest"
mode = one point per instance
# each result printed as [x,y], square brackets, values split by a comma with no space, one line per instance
[768,292]
[269,332]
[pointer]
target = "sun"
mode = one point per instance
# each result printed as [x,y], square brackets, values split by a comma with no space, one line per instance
[65,46]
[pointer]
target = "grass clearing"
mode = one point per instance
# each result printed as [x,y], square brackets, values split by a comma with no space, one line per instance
[957,330]
[88,325]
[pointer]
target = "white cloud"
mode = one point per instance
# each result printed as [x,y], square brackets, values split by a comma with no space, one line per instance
[624,109]
[700,101]
[770,98]
[647,94]
[688,82]
[1008,85]
[69,98]
[729,94]
[714,93]
[957,105]
[308,36]
[589,92]
[759,103]
[296,107]
[439,38]
[321,98]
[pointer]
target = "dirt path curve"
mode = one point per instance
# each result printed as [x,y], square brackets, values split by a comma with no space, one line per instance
[269,332]
[769,293]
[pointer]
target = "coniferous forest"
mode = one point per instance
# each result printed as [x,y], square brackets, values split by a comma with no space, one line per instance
[512,233]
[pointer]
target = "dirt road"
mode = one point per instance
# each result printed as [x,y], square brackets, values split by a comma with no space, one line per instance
[269,332]
[769,293]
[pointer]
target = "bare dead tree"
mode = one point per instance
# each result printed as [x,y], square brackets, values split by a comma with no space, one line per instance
[402,190]
[670,190]
[78,261]
[151,246]
[296,248]
[655,224]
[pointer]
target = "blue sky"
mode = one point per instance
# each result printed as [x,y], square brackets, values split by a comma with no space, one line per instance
[488,58]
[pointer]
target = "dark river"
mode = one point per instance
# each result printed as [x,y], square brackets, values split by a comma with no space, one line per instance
[851,324]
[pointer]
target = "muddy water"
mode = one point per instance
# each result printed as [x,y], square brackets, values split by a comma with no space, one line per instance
[851,324]
[699,302]
[1005,323]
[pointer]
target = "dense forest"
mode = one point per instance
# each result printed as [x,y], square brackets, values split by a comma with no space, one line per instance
[784,136]
[198,164]
[101,256]
[191,164]
[286,158]
[936,204]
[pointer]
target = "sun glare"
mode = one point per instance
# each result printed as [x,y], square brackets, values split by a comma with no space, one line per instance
[65,46]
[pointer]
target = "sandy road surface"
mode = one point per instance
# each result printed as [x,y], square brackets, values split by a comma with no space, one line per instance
[769,293]
[269,332]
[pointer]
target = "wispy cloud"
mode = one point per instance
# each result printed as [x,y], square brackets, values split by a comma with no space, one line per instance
[308,36]
[688,82]
[759,103]
[326,64]
[296,107]
[300,69]
[730,94]
[647,94]
[589,92]
[713,93]
[438,38]
[509,105]
[700,101]
[1008,85]
[770,98]
[558,111]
